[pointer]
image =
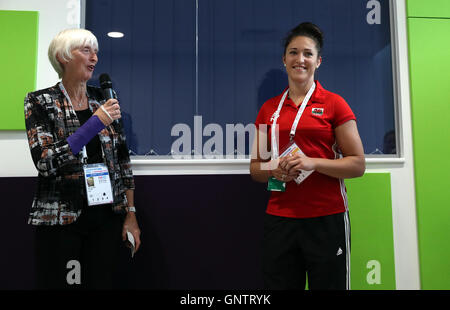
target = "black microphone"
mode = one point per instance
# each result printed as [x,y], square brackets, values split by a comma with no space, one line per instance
[106,85]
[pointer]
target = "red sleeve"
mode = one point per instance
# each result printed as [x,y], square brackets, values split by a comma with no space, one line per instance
[261,118]
[263,115]
[342,112]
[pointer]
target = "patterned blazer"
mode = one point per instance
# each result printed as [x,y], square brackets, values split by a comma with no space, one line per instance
[50,119]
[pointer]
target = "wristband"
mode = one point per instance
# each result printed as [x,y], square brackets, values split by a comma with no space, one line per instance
[131,209]
[107,114]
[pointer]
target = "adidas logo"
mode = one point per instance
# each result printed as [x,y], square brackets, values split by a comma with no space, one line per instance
[339,252]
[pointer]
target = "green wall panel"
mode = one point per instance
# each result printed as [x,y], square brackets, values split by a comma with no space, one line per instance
[428,8]
[429,50]
[18,62]
[372,241]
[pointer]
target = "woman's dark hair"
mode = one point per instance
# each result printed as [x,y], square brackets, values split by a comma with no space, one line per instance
[306,29]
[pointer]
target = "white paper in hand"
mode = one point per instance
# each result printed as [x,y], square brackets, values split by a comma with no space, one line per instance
[131,243]
[291,150]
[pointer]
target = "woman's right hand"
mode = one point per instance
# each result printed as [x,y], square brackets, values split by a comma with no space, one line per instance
[112,108]
[281,174]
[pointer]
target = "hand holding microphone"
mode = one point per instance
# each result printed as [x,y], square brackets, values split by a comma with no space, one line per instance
[111,108]
[109,112]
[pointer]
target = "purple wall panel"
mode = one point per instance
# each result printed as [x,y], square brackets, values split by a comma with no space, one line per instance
[198,232]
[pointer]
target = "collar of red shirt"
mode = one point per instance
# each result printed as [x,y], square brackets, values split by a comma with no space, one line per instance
[318,95]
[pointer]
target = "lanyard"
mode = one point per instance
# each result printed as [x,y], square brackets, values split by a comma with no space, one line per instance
[296,120]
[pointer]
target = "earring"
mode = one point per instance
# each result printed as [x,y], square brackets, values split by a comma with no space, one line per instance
[284,65]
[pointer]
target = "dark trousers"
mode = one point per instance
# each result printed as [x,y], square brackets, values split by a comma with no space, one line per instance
[318,248]
[86,250]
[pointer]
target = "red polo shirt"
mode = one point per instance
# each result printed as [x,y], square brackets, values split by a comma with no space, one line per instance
[318,195]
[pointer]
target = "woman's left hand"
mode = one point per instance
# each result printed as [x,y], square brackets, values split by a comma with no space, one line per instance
[132,226]
[296,162]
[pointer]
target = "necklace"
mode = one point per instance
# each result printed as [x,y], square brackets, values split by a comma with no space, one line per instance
[80,102]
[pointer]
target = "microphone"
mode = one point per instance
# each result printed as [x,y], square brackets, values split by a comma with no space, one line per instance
[106,85]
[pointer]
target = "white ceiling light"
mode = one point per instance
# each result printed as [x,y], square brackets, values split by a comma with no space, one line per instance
[115,34]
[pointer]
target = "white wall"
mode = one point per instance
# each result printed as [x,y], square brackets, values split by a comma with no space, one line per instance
[407,268]
[56,15]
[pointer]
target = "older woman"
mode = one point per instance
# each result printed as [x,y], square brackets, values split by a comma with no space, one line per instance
[306,228]
[77,149]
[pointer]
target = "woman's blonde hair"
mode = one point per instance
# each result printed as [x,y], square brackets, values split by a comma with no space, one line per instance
[65,42]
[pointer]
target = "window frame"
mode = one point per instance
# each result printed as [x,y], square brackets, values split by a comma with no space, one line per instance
[166,165]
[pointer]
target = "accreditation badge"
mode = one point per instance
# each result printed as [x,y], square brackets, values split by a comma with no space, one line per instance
[98,184]
[275,185]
